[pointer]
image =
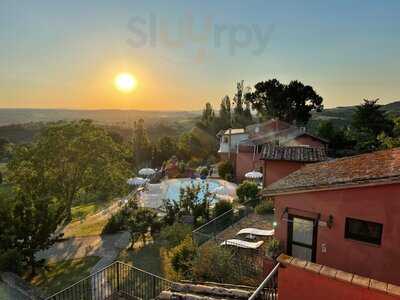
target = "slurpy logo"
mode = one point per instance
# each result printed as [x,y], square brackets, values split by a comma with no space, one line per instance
[157,31]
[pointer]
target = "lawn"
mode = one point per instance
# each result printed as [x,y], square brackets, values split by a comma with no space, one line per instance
[87,219]
[146,258]
[79,212]
[57,276]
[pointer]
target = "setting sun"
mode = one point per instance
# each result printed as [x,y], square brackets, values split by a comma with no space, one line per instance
[125,82]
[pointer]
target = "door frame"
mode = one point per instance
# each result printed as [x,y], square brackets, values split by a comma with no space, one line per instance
[290,241]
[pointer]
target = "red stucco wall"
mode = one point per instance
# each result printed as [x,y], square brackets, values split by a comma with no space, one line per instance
[277,169]
[246,162]
[376,203]
[299,284]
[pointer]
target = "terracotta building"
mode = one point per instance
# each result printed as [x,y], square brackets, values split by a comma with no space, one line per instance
[275,148]
[343,213]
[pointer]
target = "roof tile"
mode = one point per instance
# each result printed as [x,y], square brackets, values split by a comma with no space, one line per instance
[365,168]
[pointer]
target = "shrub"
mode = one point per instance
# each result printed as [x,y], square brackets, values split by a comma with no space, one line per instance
[11,261]
[182,257]
[222,207]
[226,170]
[265,208]
[248,191]
[115,223]
[274,248]
[215,264]
[172,236]
[204,172]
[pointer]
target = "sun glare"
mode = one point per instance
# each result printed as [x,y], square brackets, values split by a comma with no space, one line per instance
[125,82]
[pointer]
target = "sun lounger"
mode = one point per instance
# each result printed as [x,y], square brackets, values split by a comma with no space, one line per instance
[255,231]
[242,244]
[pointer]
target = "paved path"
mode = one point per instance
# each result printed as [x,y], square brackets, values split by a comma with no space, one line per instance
[103,246]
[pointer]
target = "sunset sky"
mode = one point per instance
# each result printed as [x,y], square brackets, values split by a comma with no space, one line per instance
[66,54]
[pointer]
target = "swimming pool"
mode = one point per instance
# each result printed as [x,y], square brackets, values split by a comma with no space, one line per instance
[174,186]
[170,189]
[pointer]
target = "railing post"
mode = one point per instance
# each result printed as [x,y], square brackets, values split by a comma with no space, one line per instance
[154,288]
[118,268]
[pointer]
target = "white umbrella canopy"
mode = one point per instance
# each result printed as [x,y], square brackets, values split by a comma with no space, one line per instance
[146,172]
[253,175]
[136,181]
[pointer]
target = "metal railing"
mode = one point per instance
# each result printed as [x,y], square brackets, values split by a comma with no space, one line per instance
[268,289]
[211,229]
[114,281]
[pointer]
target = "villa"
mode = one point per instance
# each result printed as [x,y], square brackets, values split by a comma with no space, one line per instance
[343,214]
[275,148]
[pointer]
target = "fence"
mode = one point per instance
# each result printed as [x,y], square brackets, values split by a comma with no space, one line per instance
[211,229]
[114,281]
[268,289]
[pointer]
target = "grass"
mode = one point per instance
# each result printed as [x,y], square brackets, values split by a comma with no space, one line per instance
[79,212]
[147,258]
[86,219]
[56,276]
[91,226]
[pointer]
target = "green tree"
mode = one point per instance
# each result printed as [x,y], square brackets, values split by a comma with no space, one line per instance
[248,191]
[35,219]
[368,122]
[140,223]
[142,149]
[226,170]
[389,142]
[70,159]
[241,112]
[182,258]
[224,119]
[293,102]
[208,116]
[163,150]
[340,143]
[222,207]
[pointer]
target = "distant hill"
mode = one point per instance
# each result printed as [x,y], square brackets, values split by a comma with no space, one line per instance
[342,115]
[106,117]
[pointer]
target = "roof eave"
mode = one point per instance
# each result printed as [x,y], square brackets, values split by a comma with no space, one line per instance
[350,185]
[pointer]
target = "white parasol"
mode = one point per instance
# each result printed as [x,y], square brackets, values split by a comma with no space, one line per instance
[253,175]
[146,172]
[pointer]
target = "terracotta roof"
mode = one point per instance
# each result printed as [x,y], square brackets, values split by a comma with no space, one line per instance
[293,153]
[377,167]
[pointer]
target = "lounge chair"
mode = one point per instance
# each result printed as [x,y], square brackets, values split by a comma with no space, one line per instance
[242,244]
[255,231]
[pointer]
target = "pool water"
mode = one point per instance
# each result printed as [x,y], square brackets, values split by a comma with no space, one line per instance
[173,187]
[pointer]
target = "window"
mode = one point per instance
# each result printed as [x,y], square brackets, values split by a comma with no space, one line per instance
[226,139]
[364,231]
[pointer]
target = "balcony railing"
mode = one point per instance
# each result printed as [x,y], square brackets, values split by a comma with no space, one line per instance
[211,229]
[116,281]
[268,289]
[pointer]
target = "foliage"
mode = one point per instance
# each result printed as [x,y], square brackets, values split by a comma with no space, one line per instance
[204,172]
[141,145]
[171,236]
[69,159]
[56,276]
[163,150]
[388,142]
[248,191]
[11,261]
[226,170]
[291,102]
[265,208]
[340,143]
[274,247]
[214,264]
[140,222]
[182,257]
[27,225]
[367,124]
[172,211]
[221,207]
[115,224]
